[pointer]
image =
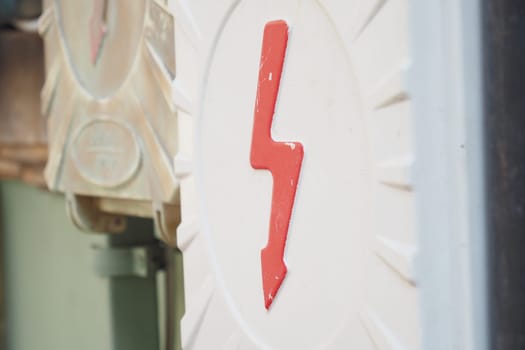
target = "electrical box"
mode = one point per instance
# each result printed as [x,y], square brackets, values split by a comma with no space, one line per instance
[112,105]
[297,152]
[302,168]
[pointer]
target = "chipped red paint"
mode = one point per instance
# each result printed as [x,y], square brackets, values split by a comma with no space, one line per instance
[97,28]
[282,159]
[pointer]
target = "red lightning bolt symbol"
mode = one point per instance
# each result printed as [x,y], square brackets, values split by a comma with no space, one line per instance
[282,159]
[97,28]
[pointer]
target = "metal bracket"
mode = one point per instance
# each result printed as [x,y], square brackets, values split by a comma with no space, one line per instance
[134,261]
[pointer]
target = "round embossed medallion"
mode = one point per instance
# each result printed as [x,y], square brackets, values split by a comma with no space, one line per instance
[105,152]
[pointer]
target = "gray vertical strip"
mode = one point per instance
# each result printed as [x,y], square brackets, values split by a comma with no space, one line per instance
[3,343]
[477,293]
[175,297]
[134,299]
[445,85]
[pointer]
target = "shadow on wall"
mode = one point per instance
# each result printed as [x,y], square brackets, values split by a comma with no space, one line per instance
[23,136]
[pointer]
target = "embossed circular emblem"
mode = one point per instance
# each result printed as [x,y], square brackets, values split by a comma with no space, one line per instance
[105,152]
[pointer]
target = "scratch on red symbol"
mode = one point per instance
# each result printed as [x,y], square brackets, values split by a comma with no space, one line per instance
[97,28]
[282,159]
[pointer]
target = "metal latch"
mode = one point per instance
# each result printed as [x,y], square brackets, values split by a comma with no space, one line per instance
[133,261]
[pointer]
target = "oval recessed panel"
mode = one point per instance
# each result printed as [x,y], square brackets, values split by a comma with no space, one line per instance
[294,84]
[105,152]
[102,39]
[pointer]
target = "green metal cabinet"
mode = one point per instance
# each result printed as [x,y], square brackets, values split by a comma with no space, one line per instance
[54,299]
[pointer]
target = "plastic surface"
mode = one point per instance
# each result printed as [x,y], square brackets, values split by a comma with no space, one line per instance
[112,104]
[385,238]
[351,242]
